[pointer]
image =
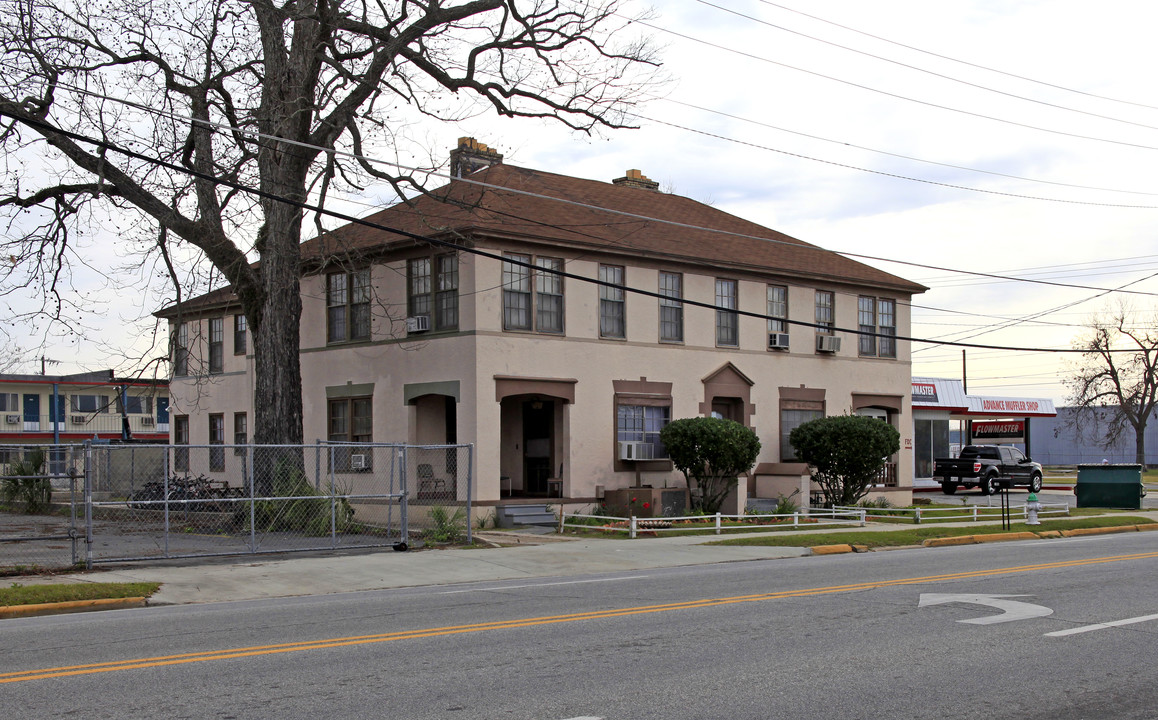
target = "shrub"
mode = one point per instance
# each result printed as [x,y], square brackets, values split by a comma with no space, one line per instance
[712,453]
[447,527]
[34,493]
[846,452]
[308,512]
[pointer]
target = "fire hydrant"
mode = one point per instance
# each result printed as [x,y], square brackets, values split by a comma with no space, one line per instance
[1031,508]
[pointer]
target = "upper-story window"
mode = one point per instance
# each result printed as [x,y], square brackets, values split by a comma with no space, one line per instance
[532,298]
[181,349]
[777,309]
[9,402]
[877,316]
[727,319]
[825,311]
[612,303]
[671,307]
[433,290]
[348,306]
[216,345]
[239,327]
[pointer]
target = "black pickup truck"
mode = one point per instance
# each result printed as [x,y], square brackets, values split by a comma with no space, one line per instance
[987,467]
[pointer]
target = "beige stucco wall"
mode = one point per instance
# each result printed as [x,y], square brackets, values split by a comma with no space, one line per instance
[585,441]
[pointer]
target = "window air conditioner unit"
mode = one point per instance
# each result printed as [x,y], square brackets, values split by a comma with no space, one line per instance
[635,451]
[418,323]
[147,421]
[77,419]
[11,419]
[777,341]
[827,343]
[358,462]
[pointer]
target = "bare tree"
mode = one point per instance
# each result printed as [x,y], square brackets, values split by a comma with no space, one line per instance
[163,113]
[1114,387]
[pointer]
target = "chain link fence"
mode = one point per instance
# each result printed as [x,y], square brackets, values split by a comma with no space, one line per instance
[139,502]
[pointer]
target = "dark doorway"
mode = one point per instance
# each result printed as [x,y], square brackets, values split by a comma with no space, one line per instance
[538,421]
[728,408]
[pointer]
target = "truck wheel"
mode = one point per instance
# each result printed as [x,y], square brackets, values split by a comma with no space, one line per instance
[948,487]
[1035,484]
[988,485]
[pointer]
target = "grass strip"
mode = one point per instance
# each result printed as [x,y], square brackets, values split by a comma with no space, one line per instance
[917,535]
[18,594]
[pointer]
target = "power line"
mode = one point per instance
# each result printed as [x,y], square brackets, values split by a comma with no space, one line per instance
[926,71]
[962,62]
[109,146]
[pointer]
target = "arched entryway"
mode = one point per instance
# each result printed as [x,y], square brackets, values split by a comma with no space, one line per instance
[535,441]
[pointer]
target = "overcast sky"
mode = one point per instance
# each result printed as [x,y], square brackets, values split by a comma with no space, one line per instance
[993,136]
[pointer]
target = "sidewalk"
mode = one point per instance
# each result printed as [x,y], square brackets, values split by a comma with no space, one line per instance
[535,556]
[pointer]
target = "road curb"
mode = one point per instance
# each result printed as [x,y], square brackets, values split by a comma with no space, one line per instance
[71,606]
[831,549]
[1099,531]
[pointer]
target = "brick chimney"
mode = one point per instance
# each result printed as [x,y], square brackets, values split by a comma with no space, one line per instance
[470,156]
[636,179]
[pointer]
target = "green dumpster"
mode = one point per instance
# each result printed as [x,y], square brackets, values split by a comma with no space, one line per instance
[1110,486]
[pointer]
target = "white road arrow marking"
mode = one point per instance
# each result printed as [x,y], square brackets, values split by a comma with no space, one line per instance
[1011,609]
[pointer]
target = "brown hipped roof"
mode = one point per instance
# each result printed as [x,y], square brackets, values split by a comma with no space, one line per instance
[510,203]
[514,203]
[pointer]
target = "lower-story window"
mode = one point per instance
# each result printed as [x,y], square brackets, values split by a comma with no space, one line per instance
[642,424]
[789,421]
[351,421]
[181,443]
[216,443]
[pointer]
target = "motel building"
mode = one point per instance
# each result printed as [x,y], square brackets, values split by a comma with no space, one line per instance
[945,418]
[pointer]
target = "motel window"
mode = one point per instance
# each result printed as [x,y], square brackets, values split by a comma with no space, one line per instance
[89,404]
[671,307]
[9,402]
[135,405]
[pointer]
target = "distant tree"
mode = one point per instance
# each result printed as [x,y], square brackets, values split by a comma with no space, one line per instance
[1114,387]
[712,454]
[846,452]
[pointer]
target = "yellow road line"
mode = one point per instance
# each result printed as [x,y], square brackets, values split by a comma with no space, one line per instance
[229,654]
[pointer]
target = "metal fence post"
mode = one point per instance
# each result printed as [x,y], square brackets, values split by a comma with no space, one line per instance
[917,516]
[333,512]
[717,523]
[796,519]
[470,492]
[631,529]
[402,489]
[88,505]
[252,460]
[974,513]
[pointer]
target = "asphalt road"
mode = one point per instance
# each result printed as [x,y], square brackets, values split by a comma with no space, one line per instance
[878,635]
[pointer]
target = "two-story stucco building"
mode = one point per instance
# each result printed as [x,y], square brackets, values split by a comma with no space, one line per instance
[565,323]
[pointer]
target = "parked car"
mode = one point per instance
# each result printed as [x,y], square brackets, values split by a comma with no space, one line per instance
[987,467]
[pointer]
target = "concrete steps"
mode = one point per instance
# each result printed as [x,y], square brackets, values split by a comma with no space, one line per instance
[509,516]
